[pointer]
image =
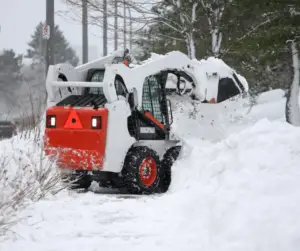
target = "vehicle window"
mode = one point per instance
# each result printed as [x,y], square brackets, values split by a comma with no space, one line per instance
[152,97]
[120,88]
[227,89]
[98,76]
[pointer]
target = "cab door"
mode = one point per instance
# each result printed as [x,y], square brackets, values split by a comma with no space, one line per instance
[153,121]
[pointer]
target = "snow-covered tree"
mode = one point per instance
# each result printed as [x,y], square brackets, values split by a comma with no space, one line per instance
[173,25]
[186,13]
[214,12]
[254,40]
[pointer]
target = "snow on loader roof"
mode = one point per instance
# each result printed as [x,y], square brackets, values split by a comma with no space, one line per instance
[208,78]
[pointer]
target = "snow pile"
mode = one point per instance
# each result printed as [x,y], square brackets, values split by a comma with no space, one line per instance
[212,122]
[270,96]
[240,194]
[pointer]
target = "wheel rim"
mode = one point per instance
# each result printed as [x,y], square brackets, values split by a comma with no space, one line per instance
[148,171]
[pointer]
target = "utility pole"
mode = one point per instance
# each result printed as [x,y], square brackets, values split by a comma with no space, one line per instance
[130,28]
[104,27]
[50,40]
[116,25]
[84,32]
[125,39]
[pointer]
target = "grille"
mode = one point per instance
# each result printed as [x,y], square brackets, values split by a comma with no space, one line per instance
[83,100]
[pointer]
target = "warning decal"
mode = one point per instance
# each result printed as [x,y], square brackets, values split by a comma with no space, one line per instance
[73,121]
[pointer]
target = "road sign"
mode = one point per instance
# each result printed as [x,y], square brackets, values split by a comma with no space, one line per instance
[46,31]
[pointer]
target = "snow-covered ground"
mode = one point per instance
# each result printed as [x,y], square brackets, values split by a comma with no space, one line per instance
[237,192]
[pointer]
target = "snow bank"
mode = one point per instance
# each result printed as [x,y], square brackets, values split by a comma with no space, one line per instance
[240,194]
[25,174]
[270,96]
[214,122]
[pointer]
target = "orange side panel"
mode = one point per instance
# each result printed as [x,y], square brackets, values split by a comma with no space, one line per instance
[77,145]
[154,120]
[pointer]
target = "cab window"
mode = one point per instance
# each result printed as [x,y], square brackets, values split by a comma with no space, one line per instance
[120,88]
[152,98]
[97,76]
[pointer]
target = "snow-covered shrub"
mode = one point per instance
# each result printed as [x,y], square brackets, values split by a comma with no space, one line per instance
[26,175]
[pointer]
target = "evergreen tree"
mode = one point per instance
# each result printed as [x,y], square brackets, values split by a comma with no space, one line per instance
[249,35]
[63,53]
[10,77]
[256,41]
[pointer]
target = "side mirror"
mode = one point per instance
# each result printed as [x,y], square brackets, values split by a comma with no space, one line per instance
[170,113]
[133,99]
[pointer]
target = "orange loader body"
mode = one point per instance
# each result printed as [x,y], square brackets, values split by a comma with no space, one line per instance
[73,139]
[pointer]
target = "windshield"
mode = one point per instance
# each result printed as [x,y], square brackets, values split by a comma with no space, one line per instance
[98,76]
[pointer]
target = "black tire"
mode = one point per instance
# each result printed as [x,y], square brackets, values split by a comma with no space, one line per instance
[169,158]
[136,182]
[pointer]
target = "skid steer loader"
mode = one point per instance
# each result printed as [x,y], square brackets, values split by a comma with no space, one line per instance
[111,123]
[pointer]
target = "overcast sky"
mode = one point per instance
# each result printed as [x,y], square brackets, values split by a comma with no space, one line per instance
[18,19]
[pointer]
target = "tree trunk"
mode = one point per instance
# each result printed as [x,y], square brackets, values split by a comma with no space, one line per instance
[216,41]
[130,28]
[104,27]
[292,111]
[125,35]
[84,32]
[116,25]
[190,44]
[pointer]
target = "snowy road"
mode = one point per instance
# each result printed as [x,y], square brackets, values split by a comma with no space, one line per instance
[240,194]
